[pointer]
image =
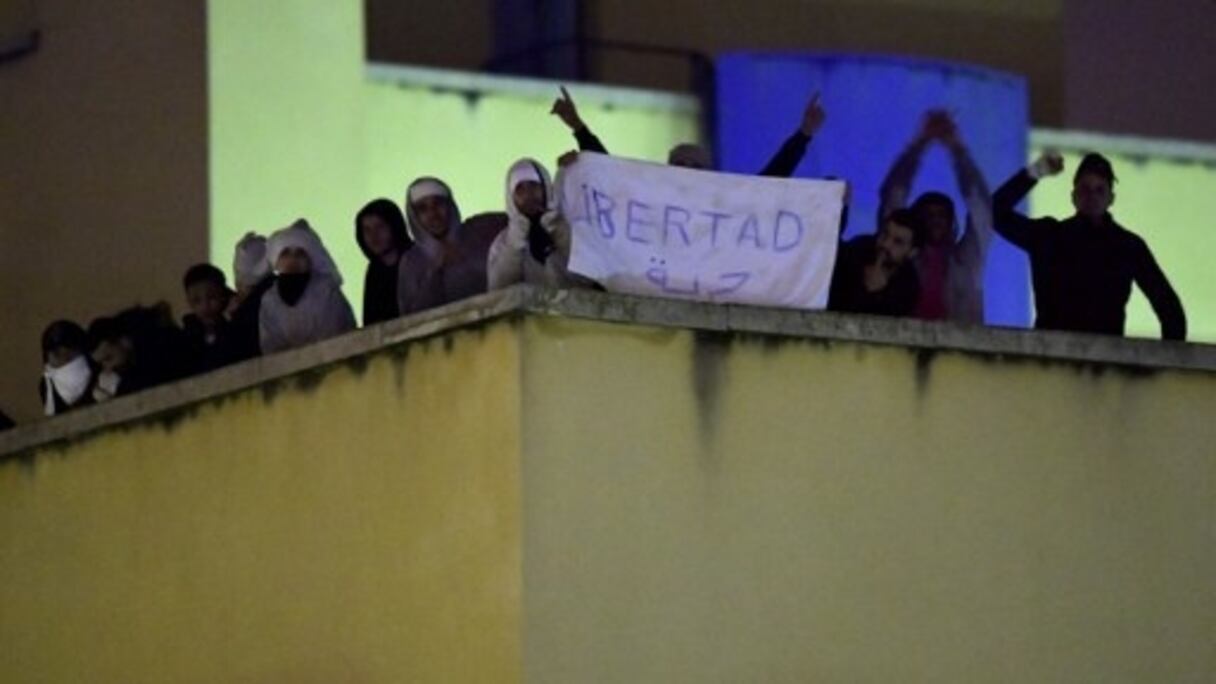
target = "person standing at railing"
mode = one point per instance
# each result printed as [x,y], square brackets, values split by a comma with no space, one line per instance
[306,304]
[448,259]
[875,274]
[209,335]
[1083,266]
[950,269]
[381,234]
[535,247]
[68,374]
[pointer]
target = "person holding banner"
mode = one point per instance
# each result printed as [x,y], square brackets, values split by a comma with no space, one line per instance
[693,156]
[875,273]
[535,247]
[951,270]
[448,260]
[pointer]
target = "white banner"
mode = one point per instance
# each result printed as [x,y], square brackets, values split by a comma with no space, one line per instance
[652,229]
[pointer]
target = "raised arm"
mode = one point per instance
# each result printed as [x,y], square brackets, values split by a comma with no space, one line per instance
[893,193]
[1006,219]
[785,162]
[976,196]
[1161,295]
[566,110]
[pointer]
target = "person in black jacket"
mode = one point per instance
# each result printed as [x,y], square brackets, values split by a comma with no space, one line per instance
[1083,267]
[138,348]
[381,234]
[689,155]
[210,338]
[875,274]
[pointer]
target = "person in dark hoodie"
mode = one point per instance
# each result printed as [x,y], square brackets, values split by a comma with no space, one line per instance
[138,348]
[210,337]
[691,155]
[1083,266]
[381,234]
[68,375]
[448,259]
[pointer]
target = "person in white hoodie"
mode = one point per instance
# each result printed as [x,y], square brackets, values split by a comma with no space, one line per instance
[448,259]
[306,303]
[535,247]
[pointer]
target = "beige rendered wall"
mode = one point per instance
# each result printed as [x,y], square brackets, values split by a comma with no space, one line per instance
[103,171]
[702,507]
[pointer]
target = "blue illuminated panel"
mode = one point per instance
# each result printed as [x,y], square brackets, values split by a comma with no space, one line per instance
[874,105]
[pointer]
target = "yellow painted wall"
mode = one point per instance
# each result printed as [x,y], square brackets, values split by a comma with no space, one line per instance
[359,524]
[561,500]
[718,509]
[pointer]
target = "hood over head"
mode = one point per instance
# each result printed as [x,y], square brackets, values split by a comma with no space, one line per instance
[388,211]
[428,186]
[302,236]
[527,169]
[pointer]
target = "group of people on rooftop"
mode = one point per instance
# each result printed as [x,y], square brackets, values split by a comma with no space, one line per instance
[926,260]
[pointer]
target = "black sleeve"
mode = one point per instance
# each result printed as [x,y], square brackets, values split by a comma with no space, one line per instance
[1161,295]
[1007,220]
[588,142]
[907,293]
[785,162]
[836,289]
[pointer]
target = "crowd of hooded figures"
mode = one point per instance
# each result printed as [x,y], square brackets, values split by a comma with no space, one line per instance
[921,261]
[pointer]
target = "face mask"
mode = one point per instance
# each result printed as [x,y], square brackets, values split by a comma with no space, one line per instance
[291,286]
[107,386]
[69,381]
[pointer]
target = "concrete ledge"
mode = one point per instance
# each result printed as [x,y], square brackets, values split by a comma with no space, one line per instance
[1070,349]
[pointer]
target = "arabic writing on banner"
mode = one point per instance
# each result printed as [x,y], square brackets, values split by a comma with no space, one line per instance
[652,229]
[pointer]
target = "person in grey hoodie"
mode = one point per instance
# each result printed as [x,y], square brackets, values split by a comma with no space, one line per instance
[306,303]
[950,268]
[535,247]
[448,259]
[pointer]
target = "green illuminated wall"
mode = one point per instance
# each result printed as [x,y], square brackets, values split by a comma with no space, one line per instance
[1166,198]
[299,127]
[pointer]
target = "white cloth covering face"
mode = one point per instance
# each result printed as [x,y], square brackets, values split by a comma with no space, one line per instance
[69,381]
[322,310]
[107,386]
